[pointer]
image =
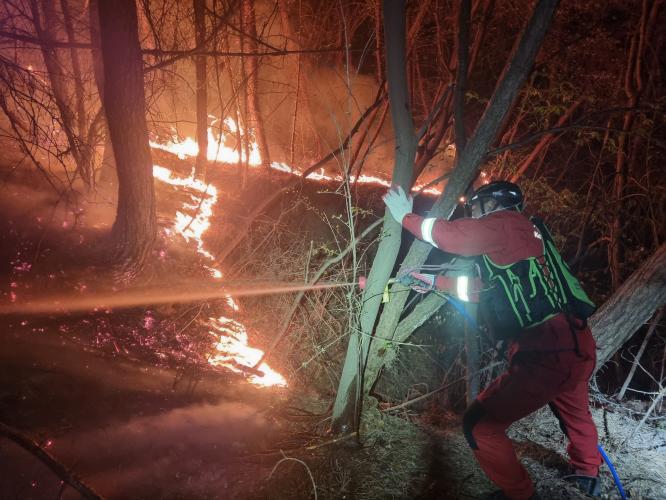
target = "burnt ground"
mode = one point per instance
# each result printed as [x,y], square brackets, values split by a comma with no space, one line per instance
[136,421]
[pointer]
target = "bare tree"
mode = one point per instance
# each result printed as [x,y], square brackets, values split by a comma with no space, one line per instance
[255,120]
[73,116]
[134,229]
[633,88]
[346,411]
[389,330]
[201,88]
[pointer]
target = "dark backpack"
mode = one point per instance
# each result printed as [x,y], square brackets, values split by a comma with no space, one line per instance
[578,304]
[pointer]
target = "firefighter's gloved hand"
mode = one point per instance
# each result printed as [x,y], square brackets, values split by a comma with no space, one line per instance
[423,282]
[398,203]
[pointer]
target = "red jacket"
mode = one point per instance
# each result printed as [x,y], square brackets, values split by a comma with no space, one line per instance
[506,237]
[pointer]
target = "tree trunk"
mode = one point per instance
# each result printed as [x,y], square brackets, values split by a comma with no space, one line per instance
[633,88]
[466,170]
[472,378]
[201,89]
[134,229]
[54,67]
[82,120]
[255,121]
[462,47]
[630,307]
[107,171]
[346,410]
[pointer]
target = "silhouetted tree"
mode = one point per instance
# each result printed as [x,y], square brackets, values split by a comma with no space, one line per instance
[134,229]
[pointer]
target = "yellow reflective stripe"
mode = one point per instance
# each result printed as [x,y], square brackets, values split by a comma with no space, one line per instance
[461,288]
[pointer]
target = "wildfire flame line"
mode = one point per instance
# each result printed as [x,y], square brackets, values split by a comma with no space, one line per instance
[219,152]
[232,335]
[232,343]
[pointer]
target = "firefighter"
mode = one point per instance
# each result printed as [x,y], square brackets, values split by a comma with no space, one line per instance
[530,299]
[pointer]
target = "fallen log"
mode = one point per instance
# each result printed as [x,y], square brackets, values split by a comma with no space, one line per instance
[630,307]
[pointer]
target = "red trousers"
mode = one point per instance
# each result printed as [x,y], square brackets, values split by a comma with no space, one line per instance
[558,378]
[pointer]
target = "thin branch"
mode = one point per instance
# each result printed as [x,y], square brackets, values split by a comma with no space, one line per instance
[641,350]
[60,470]
[285,459]
[439,389]
[58,44]
[320,272]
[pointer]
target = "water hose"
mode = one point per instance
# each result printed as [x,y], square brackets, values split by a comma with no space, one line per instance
[616,478]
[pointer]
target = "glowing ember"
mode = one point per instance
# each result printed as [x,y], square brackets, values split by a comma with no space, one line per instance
[232,336]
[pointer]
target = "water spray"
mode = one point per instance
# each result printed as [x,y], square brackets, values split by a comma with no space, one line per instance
[159,295]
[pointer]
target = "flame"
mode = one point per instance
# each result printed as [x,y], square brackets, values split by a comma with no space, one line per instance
[233,347]
[232,337]
[232,342]
[219,152]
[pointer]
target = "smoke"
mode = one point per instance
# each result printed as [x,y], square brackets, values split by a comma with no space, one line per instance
[184,453]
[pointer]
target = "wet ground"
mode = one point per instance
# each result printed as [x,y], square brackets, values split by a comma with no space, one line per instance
[130,430]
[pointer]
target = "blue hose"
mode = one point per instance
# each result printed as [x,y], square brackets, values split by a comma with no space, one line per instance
[616,478]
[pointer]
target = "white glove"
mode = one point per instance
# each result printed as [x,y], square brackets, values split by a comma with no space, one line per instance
[398,203]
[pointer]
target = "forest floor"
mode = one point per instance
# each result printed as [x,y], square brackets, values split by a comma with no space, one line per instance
[134,424]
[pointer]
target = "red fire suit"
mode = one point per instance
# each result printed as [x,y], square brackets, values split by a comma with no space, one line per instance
[545,364]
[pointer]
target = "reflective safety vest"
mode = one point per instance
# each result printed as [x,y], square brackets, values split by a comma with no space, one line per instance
[529,292]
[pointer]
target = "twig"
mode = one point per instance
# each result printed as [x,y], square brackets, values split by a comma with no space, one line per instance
[655,401]
[285,459]
[60,470]
[641,350]
[439,389]
[320,272]
[292,184]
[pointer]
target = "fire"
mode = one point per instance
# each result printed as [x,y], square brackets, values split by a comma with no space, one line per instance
[232,337]
[219,152]
[234,349]
[192,227]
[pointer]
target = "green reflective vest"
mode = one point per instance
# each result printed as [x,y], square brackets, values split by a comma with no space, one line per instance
[529,292]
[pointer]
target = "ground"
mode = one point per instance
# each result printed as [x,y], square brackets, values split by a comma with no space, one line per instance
[135,420]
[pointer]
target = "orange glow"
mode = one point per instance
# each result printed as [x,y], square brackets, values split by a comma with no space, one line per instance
[219,152]
[232,337]
[233,347]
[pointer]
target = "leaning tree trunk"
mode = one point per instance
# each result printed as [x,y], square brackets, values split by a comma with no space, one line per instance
[134,229]
[201,89]
[388,331]
[630,307]
[346,410]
